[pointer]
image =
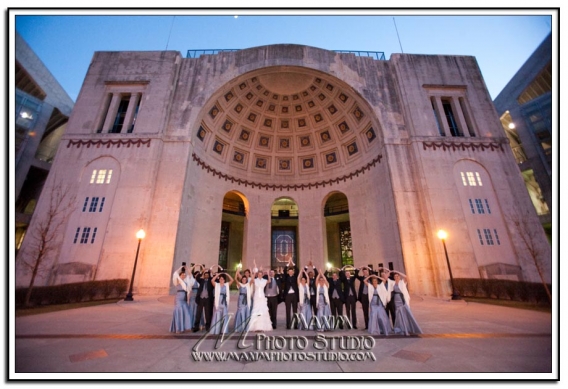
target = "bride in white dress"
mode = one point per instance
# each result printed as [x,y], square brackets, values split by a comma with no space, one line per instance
[259,316]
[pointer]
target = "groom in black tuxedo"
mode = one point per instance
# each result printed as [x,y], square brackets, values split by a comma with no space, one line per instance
[290,292]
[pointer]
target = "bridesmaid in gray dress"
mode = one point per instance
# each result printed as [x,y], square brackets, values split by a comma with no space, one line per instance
[405,323]
[181,320]
[304,307]
[242,316]
[379,323]
[220,320]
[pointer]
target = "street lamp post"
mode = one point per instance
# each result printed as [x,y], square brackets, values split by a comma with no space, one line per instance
[140,235]
[443,235]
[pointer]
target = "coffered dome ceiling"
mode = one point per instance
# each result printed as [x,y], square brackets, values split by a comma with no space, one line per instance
[286,124]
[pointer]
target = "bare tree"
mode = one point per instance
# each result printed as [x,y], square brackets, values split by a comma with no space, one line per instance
[533,244]
[43,234]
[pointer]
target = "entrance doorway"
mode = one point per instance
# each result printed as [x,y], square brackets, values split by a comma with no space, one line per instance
[338,231]
[284,233]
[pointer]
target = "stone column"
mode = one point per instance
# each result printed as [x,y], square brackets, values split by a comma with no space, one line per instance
[130,112]
[111,113]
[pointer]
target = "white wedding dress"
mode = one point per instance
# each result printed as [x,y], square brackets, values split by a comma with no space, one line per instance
[259,317]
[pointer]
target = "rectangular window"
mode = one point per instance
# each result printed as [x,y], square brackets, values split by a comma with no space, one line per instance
[497,237]
[478,179]
[480,237]
[135,115]
[479,205]
[77,234]
[471,179]
[487,206]
[463,179]
[109,175]
[102,204]
[101,176]
[85,235]
[94,203]
[93,176]
[85,204]
[488,237]
[94,235]
[120,114]
[471,206]
[450,118]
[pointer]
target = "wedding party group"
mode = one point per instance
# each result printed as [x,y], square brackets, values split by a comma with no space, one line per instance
[311,298]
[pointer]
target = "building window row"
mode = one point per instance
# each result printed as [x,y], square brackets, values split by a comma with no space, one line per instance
[120,113]
[101,176]
[94,204]
[84,235]
[491,239]
[482,206]
[471,179]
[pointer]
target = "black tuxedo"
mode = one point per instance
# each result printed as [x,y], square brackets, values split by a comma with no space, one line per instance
[335,303]
[204,304]
[350,298]
[272,301]
[290,299]
[313,289]
[363,297]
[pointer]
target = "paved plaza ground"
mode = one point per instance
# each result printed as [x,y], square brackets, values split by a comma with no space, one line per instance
[461,341]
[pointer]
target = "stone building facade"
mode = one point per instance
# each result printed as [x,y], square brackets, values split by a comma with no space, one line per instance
[288,151]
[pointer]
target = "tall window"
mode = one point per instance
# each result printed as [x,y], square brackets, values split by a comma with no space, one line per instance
[135,116]
[94,203]
[451,119]
[120,114]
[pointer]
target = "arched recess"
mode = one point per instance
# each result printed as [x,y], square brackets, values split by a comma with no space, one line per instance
[233,229]
[87,225]
[338,230]
[284,232]
[493,250]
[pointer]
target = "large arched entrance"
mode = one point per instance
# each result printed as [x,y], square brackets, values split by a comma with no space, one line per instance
[338,231]
[284,232]
[233,225]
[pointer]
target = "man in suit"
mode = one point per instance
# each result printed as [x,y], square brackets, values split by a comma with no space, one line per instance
[312,275]
[363,295]
[204,301]
[350,297]
[336,295]
[272,291]
[290,292]
[388,284]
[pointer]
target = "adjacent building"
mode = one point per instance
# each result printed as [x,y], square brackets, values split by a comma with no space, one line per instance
[525,109]
[281,152]
[42,112]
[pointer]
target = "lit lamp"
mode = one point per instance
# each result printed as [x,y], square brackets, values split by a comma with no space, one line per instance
[443,235]
[328,265]
[139,235]
[512,126]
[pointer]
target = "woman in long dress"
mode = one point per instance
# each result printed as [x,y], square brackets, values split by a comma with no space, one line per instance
[242,316]
[181,320]
[379,323]
[405,323]
[220,320]
[305,308]
[259,316]
[192,291]
[322,302]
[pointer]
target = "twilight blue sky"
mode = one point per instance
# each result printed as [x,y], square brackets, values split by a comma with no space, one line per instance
[65,41]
